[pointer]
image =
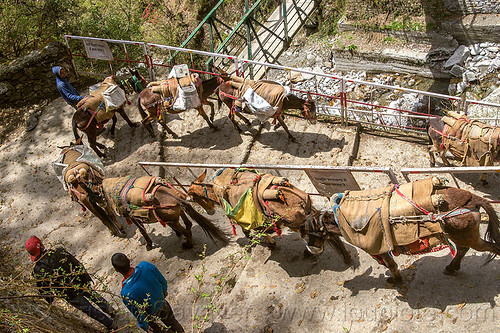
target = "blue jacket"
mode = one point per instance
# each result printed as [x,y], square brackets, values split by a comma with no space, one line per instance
[70,95]
[144,291]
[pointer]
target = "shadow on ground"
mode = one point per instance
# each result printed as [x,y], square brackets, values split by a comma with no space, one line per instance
[426,286]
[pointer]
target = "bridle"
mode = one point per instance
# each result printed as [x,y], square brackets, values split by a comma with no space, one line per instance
[308,114]
[315,226]
[205,187]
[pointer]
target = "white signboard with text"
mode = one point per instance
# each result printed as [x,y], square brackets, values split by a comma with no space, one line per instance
[329,182]
[97,49]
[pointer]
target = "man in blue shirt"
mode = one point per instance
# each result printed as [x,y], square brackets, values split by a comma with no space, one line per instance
[143,292]
[70,95]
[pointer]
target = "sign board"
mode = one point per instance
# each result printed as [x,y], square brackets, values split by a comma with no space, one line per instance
[97,49]
[329,182]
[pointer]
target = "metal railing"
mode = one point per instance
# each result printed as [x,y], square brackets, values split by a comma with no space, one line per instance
[340,104]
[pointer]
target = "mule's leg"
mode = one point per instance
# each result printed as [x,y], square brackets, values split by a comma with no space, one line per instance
[282,122]
[142,229]
[188,244]
[454,265]
[113,125]
[91,132]
[212,110]
[147,119]
[393,267]
[120,231]
[105,217]
[242,117]
[122,113]
[432,158]
[235,124]
[442,154]
[202,113]
[179,229]
[169,131]
[483,179]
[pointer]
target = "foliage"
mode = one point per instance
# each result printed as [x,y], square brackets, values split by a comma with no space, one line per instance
[352,47]
[329,13]
[207,293]
[30,24]
[22,304]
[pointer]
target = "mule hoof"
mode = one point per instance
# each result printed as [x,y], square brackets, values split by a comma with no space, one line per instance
[393,280]
[175,136]
[348,260]
[149,247]
[121,234]
[178,234]
[308,254]
[134,125]
[292,139]
[187,245]
[270,246]
[449,271]
[484,182]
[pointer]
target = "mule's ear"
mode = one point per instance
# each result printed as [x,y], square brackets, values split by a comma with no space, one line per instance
[201,178]
[309,97]
[79,141]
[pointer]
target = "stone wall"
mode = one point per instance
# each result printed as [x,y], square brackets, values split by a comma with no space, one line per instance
[467,7]
[29,79]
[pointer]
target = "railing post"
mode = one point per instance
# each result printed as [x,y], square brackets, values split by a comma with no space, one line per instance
[285,25]
[342,101]
[249,37]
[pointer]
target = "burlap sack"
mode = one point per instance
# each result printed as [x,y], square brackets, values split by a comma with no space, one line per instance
[472,141]
[135,188]
[363,218]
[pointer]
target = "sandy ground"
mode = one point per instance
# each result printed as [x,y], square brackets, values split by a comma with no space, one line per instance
[267,291]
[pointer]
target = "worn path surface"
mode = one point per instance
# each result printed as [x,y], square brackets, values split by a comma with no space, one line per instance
[271,291]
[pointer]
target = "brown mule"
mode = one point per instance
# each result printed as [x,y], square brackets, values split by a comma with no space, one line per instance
[82,181]
[150,200]
[154,101]
[280,203]
[460,220]
[90,116]
[231,91]
[474,143]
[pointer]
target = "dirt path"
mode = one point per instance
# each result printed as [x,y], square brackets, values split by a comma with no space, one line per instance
[272,291]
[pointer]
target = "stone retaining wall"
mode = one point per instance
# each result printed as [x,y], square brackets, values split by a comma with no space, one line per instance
[466,7]
[30,79]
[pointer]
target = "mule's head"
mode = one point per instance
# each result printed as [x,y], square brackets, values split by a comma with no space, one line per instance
[309,111]
[203,194]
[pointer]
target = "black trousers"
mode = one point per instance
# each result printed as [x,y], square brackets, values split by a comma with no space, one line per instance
[166,315]
[82,303]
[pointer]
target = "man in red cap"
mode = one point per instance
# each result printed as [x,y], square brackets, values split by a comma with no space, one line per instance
[59,274]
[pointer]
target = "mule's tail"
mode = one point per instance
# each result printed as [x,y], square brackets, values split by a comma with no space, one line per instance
[139,107]
[492,234]
[212,231]
[75,128]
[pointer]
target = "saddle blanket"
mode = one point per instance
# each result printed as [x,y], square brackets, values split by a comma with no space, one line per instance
[104,100]
[127,194]
[179,94]
[367,218]
[472,141]
[262,98]
[251,199]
